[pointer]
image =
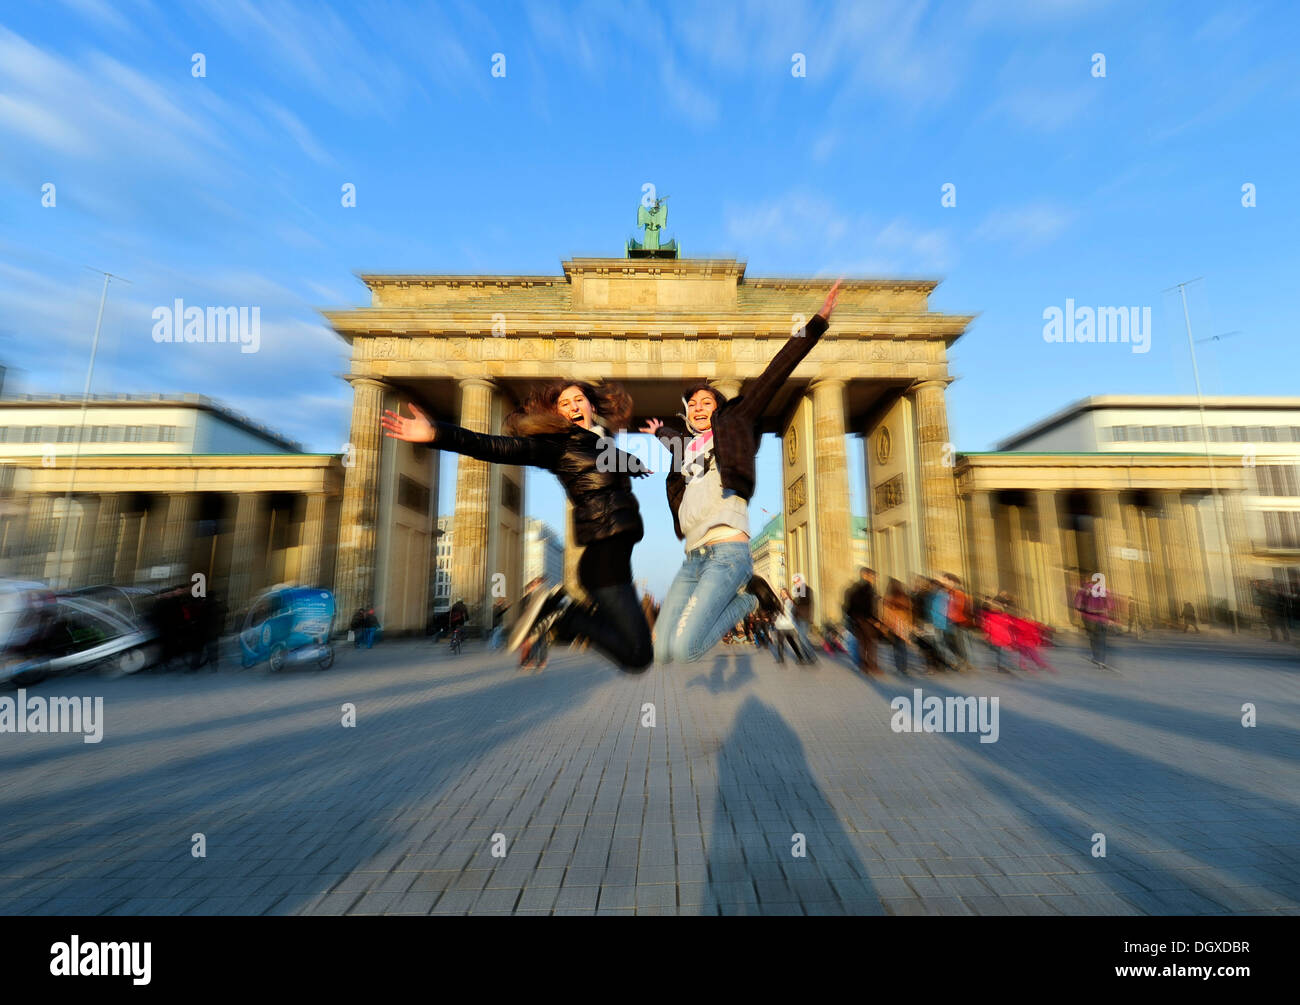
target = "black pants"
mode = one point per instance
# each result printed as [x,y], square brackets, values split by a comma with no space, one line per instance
[784,636]
[611,618]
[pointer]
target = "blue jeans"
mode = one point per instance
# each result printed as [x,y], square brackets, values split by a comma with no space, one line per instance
[703,604]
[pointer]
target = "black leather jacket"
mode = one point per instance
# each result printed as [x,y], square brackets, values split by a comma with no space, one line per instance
[597,477]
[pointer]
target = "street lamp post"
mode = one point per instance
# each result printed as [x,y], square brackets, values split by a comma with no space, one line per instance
[1229,584]
[81,431]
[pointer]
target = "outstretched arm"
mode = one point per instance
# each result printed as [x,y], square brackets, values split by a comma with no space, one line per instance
[778,371]
[529,450]
[672,439]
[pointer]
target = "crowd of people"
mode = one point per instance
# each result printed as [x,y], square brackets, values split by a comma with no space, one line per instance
[934,627]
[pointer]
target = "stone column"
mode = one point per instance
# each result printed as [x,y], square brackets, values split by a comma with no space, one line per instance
[313,542]
[153,527]
[38,537]
[1161,566]
[1138,532]
[572,553]
[938,486]
[834,519]
[1234,516]
[1015,551]
[471,518]
[84,556]
[1049,532]
[244,550]
[126,568]
[1198,587]
[984,544]
[355,571]
[108,529]
[178,533]
[1174,535]
[1109,540]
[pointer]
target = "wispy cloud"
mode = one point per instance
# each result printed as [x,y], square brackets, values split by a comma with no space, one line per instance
[815,227]
[1025,227]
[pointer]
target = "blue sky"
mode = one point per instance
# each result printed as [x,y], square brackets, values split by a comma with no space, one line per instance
[225,189]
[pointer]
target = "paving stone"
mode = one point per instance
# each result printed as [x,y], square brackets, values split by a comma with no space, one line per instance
[695,819]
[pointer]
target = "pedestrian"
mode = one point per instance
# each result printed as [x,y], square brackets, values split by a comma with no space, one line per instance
[1027,635]
[566,428]
[996,624]
[370,627]
[784,632]
[934,626]
[959,620]
[831,641]
[860,610]
[803,607]
[1189,619]
[458,617]
[709,488]
[535,650]
[1096,609]
[896,619]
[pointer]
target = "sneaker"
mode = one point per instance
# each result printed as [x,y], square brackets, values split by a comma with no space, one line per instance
[542,603]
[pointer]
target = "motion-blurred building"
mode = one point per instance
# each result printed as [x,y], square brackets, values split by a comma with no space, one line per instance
[1137,490]
[1127,489]
[153,489]
[543,552]
[768,550]
[1262,433]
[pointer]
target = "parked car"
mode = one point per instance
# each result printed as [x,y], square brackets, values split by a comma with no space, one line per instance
[289,624]
[57,633]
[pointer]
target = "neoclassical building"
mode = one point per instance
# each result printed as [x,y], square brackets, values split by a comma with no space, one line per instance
[164,487]
[1153,525]
[466,349]
[161,487]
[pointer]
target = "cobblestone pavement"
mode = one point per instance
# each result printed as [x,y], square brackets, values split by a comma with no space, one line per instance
[697,814]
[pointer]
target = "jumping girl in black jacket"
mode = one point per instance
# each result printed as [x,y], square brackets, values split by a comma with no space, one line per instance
[566,428]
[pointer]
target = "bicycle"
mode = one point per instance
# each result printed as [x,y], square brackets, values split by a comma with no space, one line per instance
[457,637]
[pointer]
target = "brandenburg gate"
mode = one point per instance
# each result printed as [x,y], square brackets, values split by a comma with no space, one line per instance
[467,348]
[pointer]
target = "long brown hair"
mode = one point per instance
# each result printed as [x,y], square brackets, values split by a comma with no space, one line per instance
[612,404]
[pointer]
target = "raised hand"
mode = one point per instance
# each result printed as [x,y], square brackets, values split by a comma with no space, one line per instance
[416,430]
[831,298]
[652,427]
